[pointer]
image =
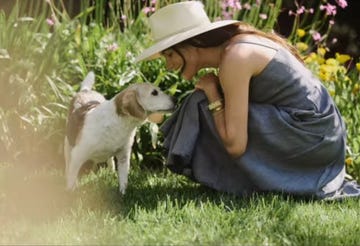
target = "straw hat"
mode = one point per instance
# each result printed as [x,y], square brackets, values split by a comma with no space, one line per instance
[177,22]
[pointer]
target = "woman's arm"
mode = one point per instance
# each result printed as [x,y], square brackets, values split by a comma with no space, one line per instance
[238,65]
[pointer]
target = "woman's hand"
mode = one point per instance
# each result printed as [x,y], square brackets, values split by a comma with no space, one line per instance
[156,118]
[210,84]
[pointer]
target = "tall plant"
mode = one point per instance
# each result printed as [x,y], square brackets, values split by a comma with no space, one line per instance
[44,56]
[31,96]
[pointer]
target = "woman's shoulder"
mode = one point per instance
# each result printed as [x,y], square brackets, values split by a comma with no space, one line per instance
[250,51]
[254,41]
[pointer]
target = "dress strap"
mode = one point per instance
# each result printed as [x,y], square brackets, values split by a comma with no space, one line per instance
[264,45]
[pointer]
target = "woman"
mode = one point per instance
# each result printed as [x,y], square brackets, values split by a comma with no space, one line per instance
[264,123]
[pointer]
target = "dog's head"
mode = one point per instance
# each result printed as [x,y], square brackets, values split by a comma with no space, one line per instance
[141,100]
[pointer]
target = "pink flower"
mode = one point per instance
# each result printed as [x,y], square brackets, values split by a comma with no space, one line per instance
[149,10]
[263,16]
[247,6]
[112,47]
[300,10]
[234,4]
[230,3]
[227,15]
[316,36]
[342,3]
[50,21]
[329,8]
[237,5]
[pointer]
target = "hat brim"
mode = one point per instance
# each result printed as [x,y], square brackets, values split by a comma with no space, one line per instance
[153,51]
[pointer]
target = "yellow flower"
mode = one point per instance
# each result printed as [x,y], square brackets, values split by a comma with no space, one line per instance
[332,62]
[320,60]
[328,72]
[300,32]
[347,78]
[358,66]
[328,68]
[349,161]
[321,51]
[342,70]
[302,46]
[324,74]
[342,58]
[310,58]
[356,88]
[332,92]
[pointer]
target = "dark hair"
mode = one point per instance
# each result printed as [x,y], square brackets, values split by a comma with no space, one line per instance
[213,38]
[218,36]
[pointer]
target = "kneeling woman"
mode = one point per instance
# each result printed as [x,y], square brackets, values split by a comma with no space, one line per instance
[264,123]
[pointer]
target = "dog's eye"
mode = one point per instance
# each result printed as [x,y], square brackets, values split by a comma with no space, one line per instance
[154,93]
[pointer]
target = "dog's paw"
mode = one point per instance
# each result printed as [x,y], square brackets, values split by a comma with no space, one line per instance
[70,186]
[71,189]
[122,188]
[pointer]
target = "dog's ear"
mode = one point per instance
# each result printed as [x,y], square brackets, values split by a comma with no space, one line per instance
[127,104]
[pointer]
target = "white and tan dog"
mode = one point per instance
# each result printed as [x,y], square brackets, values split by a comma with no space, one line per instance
[99,129]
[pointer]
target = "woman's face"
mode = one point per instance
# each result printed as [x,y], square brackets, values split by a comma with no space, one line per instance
[182,58]
[173,60]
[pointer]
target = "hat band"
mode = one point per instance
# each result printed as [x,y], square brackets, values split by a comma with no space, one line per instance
[182,31]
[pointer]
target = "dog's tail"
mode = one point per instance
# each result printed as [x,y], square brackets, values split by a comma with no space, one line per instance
[88,82]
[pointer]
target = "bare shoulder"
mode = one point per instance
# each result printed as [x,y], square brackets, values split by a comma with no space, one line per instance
[250,52]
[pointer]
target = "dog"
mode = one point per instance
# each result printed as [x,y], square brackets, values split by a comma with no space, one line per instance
[98,129]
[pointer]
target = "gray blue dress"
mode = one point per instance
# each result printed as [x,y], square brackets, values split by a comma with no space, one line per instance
[296,137]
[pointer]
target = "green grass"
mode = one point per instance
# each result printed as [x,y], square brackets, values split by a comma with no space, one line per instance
[163,209]
[159,207]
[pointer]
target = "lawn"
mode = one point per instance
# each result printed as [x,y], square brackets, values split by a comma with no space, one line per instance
[163,209]
[42,60]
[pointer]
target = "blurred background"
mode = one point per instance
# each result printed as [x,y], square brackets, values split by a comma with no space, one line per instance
[346,28]
[48,46]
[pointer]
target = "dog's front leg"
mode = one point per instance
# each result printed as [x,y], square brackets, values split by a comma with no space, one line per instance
[67,150]
[123,164]
[75,163]
[111,163]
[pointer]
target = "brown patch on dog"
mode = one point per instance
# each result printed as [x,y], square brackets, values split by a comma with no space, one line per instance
[127,104]
[76,120]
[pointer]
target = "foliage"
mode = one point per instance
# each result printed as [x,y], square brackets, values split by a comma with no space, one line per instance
[161,208]
[310,32]
[343,85]
[39,78]
[42,60]
[32,94]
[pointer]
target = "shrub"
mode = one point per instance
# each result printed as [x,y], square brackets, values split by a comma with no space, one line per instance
[43,59]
